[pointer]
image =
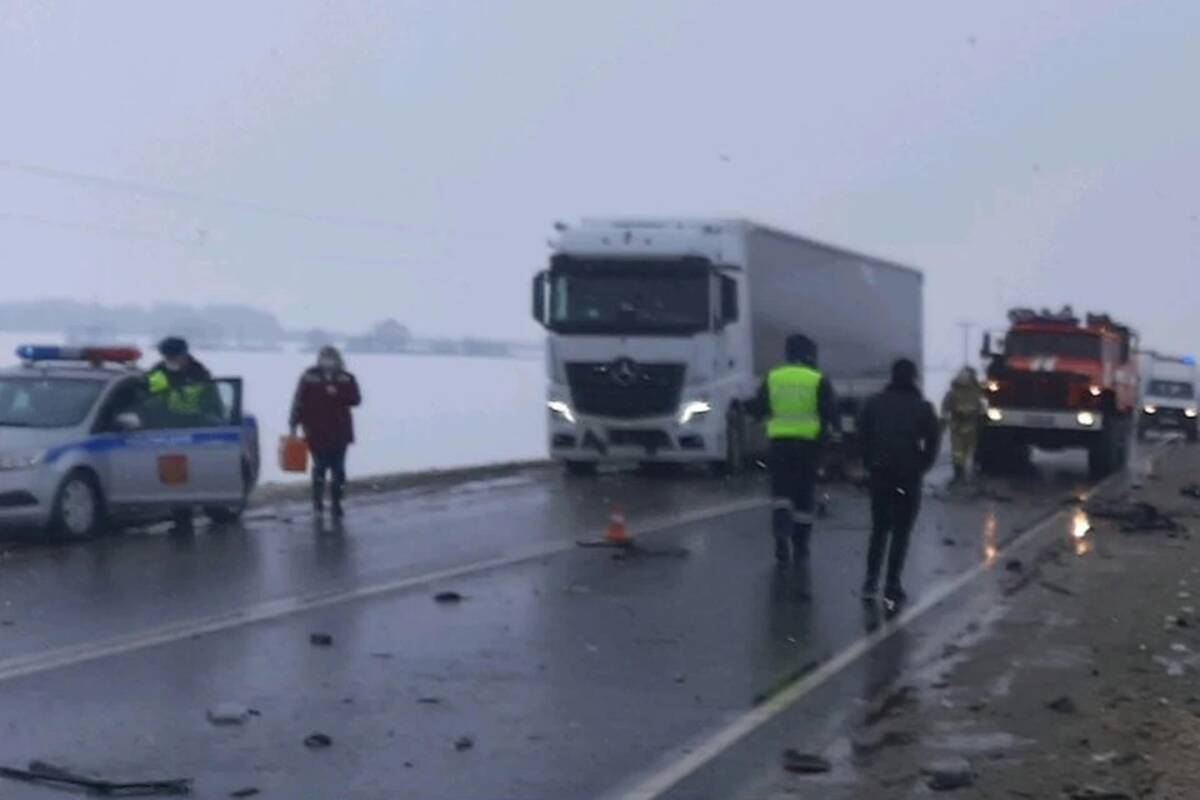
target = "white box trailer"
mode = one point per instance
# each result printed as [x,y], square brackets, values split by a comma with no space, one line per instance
[660,331]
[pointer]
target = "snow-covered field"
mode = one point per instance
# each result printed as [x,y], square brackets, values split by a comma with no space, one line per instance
[419,412]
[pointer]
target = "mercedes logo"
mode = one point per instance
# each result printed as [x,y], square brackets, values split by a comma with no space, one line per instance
[624,372]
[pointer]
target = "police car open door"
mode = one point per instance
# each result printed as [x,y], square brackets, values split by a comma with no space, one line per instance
[187,453]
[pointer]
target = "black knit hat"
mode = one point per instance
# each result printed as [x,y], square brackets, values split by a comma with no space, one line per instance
[173,347]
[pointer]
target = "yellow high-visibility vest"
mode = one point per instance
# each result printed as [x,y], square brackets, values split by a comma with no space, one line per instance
[795,413]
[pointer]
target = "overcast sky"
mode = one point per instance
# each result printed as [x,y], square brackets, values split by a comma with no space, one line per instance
[341,162]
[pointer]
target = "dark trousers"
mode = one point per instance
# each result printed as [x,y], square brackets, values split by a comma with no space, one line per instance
[793,464]
[895,502]
[333,462]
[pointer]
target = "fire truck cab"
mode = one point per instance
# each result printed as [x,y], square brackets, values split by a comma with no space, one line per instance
[1056,382]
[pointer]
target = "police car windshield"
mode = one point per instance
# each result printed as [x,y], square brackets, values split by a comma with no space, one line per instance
[41,402]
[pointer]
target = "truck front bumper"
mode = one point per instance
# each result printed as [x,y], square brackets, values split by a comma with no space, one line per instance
[665,439]
[1045,428]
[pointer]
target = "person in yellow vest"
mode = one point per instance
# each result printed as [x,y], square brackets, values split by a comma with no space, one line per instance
[179,381]
[801,412]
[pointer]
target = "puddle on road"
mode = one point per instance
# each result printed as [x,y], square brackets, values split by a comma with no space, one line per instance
[1082,535]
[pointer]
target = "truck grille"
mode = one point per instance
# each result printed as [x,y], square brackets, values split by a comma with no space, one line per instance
[625,389]
[1034,391]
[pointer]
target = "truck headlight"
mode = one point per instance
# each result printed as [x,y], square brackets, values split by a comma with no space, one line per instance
[562,409]
[1150,409]
[693,408]
[993,386]
[995,414]
[1095,391]
[1190,413]
[15,461]
[1086,418]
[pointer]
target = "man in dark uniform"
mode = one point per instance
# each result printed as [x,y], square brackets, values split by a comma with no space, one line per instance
[801,413]
[900,439]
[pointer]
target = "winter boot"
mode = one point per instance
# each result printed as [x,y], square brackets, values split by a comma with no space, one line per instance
[318,495]
[781,529]
[800,537]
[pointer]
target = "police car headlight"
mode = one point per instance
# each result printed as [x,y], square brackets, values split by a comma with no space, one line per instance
[692,409]
[16,461]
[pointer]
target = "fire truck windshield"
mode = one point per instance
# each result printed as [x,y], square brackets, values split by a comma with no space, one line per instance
[1052,343]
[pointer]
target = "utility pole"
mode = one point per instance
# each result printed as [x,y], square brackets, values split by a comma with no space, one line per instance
[966,327]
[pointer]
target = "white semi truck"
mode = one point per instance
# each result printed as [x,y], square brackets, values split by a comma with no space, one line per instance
[1169,401]
[660,332]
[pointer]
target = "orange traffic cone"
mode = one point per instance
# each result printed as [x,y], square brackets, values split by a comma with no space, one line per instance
[617,535]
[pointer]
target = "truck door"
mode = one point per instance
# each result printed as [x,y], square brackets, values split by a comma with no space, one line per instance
[165,457]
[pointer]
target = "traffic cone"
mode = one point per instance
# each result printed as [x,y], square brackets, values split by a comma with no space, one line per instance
[617,535]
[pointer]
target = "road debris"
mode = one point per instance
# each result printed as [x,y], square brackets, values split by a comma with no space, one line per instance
[464,743]
[864,750]
[448,597]
[1054,587]
[318,741]
[1063,705]
[891,705]
[1192,490]
[42,773]
[1096,793]
[949,542]
[430,701]
[1014,565]
[320,640]
[249,791]
[1134,517]
[230,714]
[949,774]
[805,763]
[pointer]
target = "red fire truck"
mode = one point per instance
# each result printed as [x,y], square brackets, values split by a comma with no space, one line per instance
[1055,382]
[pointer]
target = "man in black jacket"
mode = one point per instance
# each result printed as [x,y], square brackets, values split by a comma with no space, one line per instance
[900,439]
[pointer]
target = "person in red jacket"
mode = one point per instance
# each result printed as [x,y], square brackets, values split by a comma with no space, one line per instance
[322,404]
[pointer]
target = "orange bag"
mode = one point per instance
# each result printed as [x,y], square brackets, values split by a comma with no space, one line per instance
[293,454]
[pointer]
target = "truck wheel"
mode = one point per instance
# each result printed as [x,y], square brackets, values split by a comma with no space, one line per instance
[580,469]
[1102,455]
[78,507]
[735,446]
[990,453]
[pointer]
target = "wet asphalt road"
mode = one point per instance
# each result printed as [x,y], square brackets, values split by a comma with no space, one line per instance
[573,675]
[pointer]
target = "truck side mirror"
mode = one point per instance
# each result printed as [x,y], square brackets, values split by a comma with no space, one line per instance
[730,310]
[539,298]
[985,352]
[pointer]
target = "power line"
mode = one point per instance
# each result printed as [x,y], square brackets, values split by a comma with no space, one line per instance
[104,230]
[160,192]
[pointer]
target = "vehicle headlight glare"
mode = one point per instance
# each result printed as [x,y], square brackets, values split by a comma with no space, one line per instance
[995,414]
[1094,391]
[1086,418]
[1151,409]
[16,461]
[693,409]
[562,409]
[1190,413]
[993,386]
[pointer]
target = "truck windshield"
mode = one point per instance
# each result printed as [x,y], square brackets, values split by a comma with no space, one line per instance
[37,402]
[1046,343]
[1175,390]
[630,297]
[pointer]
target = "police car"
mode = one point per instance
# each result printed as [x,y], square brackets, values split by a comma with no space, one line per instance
[83,442]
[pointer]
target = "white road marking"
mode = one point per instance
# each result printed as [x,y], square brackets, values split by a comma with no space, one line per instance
[662,779]
[34,663]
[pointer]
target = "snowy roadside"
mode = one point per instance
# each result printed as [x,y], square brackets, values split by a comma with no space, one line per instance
[1078,683]
[273,493]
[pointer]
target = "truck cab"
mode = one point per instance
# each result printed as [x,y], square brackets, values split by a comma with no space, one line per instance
[647,354]
[1169,400]
[1056,382]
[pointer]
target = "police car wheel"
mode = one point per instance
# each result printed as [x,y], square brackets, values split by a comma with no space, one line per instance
[78,508]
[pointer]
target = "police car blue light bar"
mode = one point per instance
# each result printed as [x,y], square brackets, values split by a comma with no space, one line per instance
[94,355]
